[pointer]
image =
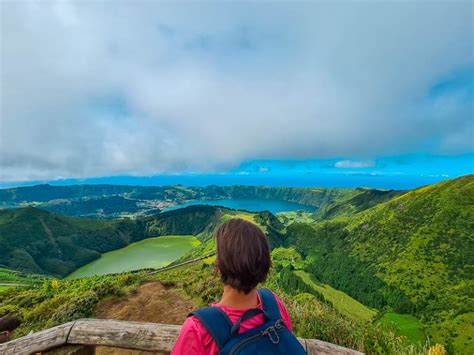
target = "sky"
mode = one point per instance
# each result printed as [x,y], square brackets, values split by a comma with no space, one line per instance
[91,90]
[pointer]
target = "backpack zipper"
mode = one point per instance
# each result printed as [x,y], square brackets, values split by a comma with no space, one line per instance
[278,325]
[272,334]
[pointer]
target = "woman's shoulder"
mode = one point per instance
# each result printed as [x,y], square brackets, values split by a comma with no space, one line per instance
[190,338]
[191,325]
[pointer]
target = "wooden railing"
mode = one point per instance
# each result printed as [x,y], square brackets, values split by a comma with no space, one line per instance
[86,334]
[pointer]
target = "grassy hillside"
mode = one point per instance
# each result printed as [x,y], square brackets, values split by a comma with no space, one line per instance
[290,266]
[37,241]
[57,302]
[412,253]
[406,325]
[342,302]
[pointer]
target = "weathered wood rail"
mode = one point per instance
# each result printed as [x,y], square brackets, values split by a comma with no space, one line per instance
[152,337]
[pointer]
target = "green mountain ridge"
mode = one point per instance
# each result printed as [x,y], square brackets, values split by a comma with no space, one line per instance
[412,253]
[44,193]
[362,200]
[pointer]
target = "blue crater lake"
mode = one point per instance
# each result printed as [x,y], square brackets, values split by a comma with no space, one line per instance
[252,205]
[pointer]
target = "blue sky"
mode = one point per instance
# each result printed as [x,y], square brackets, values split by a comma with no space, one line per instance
[403,165]
[305,91]
[399,172]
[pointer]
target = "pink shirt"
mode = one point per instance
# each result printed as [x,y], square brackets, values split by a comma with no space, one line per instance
[194,338]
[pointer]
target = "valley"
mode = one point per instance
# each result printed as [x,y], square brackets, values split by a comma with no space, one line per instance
[374,270]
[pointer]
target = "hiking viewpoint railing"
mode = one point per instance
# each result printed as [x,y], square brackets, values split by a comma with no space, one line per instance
[84,335]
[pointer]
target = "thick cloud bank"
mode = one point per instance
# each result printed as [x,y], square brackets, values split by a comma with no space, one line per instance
[132,87]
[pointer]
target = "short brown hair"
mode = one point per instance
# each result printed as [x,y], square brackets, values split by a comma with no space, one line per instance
[243,254]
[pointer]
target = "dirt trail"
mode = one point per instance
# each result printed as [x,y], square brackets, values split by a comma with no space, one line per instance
[151,302]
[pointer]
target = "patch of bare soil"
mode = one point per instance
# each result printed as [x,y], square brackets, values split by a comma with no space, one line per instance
[151,302]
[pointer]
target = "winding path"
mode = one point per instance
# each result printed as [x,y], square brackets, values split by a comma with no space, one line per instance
[13,284]
[166,268]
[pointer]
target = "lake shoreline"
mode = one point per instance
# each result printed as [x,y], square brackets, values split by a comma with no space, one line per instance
[153,252]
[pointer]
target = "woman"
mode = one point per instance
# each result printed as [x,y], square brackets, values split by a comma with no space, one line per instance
[243,261]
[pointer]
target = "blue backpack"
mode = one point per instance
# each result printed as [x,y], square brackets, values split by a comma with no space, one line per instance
[272,337]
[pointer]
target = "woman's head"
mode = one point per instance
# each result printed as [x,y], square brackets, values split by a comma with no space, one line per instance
[243,254]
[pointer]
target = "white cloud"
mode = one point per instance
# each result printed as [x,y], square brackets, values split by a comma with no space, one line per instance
[354,164]
[240,81]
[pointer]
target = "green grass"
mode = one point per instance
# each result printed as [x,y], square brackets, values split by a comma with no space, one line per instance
[342,302]
[464,336]
[288,218]
[7,275]
[406,325]
[148,253]
[13,276]
[48,305]
[456,333]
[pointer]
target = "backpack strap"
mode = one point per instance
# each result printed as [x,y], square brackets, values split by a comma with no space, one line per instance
[269,303]
[247,315]
[216,322]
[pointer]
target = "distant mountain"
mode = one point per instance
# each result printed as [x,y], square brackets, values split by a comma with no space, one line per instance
[44,193]
[350,204]
[111,201]
[36,241]
[413,253]
[108,207]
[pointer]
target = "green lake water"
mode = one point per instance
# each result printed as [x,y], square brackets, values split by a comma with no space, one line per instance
[148,253]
